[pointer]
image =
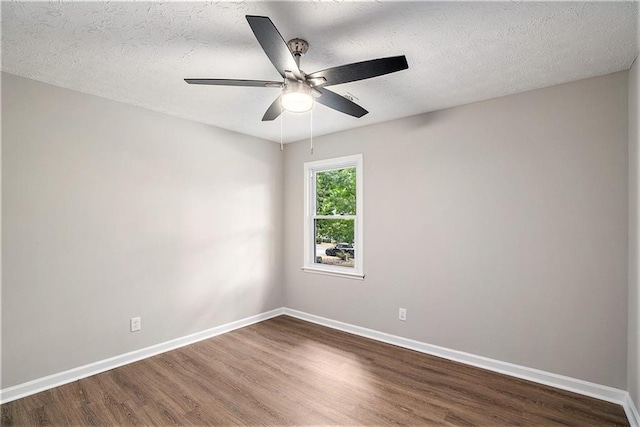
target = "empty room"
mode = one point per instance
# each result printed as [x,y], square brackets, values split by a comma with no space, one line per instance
[320,213]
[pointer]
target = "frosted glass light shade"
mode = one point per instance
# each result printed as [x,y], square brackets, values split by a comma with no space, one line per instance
[297,98]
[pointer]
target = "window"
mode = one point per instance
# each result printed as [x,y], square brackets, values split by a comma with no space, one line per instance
[333,217]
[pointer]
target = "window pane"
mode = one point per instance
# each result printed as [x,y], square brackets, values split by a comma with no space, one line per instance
[336,192]
[334,242]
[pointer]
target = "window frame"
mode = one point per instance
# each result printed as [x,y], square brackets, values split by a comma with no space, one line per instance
[310,170]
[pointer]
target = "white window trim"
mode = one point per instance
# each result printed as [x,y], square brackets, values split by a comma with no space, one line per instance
[309,265]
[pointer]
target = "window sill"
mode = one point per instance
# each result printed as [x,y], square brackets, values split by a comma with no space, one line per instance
[334,273]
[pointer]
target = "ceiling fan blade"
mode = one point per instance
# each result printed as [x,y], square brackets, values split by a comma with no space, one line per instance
[273,111]
[232,82]
[359,70]
[273,45]
[340,103]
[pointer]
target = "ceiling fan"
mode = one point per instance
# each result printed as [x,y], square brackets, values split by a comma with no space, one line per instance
[298,88]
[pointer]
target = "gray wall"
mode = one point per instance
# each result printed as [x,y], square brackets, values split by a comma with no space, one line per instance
[633,360]
[501,226]
[112,211]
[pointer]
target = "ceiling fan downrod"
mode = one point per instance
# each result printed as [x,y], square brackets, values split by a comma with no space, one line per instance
[298,47]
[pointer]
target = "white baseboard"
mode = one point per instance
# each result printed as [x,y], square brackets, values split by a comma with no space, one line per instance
[632,412]
[41,384]
[586,388]
[609,394]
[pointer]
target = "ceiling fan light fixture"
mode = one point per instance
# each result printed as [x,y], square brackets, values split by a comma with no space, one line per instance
[297,98]
[298,87]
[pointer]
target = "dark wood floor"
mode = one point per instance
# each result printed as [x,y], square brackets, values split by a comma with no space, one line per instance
[288,372]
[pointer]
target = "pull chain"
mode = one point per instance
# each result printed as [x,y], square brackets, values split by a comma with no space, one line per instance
[311,129]
[281,119]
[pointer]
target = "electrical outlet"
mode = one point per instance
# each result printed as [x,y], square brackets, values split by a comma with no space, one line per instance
[402,314]
[136,324]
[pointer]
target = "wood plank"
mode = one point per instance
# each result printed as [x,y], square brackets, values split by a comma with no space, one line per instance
[285,371]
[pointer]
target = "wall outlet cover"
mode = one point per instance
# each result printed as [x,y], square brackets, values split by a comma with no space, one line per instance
[136,324]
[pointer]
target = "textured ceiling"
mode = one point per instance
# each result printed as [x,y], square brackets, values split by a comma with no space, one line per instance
[138,53]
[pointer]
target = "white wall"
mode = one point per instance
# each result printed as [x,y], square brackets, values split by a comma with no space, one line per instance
[501,226]
[633,360]
[112,211]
